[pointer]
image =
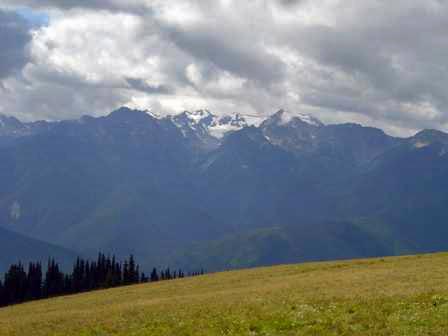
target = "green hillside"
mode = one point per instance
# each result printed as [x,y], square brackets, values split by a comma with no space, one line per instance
[391,296]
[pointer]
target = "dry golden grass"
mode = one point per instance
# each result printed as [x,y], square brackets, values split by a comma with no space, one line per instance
[389,296]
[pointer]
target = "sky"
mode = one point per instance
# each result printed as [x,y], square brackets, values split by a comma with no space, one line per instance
[378,63]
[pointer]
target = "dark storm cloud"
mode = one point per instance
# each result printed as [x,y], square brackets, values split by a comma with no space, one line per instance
[14,37]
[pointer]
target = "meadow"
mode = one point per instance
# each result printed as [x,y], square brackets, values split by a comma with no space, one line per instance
[384,296]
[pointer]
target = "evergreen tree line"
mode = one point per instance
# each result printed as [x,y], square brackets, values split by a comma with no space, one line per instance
[21,285]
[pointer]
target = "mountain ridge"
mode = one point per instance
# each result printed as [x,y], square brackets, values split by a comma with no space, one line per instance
[203,119]
[16,248]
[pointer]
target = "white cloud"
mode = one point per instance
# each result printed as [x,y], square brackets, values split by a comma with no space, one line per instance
[95,47]
[193,74]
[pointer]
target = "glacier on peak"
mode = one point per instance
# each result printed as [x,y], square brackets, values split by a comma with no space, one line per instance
[205,121]
[218,126]
[284,117]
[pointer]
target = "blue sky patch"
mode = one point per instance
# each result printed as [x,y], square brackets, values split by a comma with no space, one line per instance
[33,17]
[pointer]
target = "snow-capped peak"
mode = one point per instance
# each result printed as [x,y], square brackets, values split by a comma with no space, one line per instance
[153,114]
[283,117]
[199,116]
[227,124]
[207,123]
[236,120]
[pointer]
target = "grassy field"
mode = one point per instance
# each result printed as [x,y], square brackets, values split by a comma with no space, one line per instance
[390,296]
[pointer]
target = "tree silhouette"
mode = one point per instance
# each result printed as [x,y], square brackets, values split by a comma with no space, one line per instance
[19,285]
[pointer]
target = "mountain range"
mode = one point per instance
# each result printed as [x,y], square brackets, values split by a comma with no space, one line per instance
[197,189]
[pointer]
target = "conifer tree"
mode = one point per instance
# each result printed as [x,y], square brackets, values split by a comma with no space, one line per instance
[34,282]
[131,270]
[154,275]
[125,273]
[54,280]
[15,284]
[2,295]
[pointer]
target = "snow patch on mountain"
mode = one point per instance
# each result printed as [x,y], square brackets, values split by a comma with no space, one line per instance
[153,114]
[286,117]
[226,124]
[200,116]
[420,144]
[205,122]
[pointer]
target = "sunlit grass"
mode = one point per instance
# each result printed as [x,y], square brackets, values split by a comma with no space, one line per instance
[390,296]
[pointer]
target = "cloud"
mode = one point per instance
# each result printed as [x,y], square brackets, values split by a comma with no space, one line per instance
[14,37]
[381,63]
[76,66]
[110,5]
[289,3]
[142,85]
[378,64]
[242,56]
